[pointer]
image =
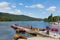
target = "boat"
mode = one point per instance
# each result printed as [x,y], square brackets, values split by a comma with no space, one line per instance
[55,23]
[28,29]
[36,31]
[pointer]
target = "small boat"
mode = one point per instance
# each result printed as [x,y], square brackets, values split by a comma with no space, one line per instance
[28,29]
[55,23]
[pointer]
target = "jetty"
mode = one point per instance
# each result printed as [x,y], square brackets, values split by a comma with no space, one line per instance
[37,32]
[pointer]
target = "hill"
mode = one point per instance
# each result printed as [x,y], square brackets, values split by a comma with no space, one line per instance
[12,17]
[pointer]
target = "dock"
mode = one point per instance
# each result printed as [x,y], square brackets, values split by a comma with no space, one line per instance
[39,32]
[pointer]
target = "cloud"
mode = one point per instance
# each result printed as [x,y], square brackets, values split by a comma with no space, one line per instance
[35,6]
[4,4]
[21,4]
[52,8]
[30,14]
[18,12]
[5,7]
[39,6]
[13,6]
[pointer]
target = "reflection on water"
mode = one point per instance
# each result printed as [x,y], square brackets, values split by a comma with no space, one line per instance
[6,32]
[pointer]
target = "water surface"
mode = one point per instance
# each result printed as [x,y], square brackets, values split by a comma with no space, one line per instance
[6,32]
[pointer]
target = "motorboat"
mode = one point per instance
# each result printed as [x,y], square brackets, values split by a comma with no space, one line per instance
[55,23]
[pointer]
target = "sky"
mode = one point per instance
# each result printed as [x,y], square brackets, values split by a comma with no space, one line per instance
[32,8]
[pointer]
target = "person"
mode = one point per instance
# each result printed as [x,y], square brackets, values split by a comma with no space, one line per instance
[47,28]
[47,32]
[31,27]
[17,31]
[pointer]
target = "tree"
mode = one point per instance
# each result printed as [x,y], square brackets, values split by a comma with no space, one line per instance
[50,18]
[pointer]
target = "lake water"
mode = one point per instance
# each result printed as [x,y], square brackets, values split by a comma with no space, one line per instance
[6,32]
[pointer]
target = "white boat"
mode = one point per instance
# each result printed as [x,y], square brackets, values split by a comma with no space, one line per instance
[55,23]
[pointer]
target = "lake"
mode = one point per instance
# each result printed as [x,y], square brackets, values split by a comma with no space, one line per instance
[6,32]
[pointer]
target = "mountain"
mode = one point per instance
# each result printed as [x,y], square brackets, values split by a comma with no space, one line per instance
[12,17]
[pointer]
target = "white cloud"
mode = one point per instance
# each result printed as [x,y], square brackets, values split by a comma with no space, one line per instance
[5,7]
[26,6]
[30,14]
[52,8]
[13,6]
[35,6]
[6,10]
[4,4]
[30,6]
[18,12]
[21,4]
[39,6]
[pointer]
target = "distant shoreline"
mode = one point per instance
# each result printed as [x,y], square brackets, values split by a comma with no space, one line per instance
[11,17]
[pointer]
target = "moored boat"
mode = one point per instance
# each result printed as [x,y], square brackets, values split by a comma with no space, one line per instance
[35,31]
[55,23]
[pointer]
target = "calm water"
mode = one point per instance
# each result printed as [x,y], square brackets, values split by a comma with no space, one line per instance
[6,32]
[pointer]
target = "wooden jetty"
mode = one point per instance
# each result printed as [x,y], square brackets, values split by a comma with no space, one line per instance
[36,31]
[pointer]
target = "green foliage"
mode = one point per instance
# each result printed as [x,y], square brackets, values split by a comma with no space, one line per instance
[56,18]
[11,17]
[45,19]
[52,19]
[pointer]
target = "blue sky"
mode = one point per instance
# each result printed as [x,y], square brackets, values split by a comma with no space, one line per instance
[33,8]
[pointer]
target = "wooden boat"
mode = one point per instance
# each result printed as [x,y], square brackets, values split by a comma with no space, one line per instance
[36,31]
[26,28]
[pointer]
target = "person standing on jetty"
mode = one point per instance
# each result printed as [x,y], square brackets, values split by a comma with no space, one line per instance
[31,27]
[47,28]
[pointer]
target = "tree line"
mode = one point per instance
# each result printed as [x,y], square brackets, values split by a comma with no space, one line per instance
[52,18]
